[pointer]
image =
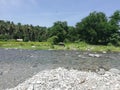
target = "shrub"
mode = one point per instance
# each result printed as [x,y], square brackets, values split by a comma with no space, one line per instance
[115,39]
[109,44]
[4,37]
[26,39]
[52,46]
[53,40]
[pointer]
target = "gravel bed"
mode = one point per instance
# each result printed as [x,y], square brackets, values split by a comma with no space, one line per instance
[64,79]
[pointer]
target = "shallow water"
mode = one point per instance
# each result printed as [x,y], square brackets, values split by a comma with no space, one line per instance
[18,65]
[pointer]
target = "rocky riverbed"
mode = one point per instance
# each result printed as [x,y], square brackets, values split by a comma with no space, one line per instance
[64,79]
[17,66]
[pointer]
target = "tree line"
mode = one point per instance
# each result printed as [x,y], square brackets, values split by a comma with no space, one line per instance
[96,28]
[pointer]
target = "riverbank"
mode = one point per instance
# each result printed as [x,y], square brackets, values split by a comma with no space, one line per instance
[63,79]
[68,46]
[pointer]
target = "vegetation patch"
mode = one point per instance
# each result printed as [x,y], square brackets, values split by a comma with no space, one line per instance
[82,46]
[95,32]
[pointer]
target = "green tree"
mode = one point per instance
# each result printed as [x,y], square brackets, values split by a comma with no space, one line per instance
[114,29]
[72,34]
[59,29]
[92,28]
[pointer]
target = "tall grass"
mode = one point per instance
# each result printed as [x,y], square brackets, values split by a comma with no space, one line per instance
[82,46]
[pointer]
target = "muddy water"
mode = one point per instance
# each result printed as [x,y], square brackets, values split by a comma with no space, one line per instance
[18,65]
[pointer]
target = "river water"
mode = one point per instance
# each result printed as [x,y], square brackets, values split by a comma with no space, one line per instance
[18,65]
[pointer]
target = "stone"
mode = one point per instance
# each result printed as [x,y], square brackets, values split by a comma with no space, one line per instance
[104,52]
[64,79]
[114,70]
[33,46]
[94,55]
[101,71]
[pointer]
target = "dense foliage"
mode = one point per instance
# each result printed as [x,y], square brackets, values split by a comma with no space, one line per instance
[96,28]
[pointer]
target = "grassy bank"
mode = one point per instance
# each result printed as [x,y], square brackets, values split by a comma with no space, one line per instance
[47,46]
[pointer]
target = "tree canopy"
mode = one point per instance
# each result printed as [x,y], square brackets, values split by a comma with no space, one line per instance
[96,28]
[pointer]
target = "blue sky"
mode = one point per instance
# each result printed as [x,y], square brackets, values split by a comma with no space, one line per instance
[46,12]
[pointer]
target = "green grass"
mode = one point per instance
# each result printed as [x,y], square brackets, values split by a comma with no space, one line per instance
[47,46]
[25,45]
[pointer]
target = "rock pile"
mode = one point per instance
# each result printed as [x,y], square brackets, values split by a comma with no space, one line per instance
[63,79]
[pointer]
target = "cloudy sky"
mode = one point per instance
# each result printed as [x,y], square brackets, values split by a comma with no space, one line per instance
[45,12]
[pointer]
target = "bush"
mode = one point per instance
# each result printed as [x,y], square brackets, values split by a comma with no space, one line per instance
[12,40]
[66,40]
[52,46]
[110,44]
[53,40]
[4,37]
[115,39]
[26,39]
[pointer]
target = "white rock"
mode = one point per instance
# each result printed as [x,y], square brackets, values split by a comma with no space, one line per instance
[117,86]
[31,87]
[113,70]
[63,79]
[33,46]
[94,55]
[6,48]
[104,52]
[101,71]
[79,55]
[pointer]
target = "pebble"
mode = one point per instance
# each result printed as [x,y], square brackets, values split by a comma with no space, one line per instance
[63,79]
[94,55]
[101,71]
[33,46]
[113,70]
[104,52]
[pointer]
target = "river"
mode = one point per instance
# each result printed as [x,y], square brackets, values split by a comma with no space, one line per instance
[18,65]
